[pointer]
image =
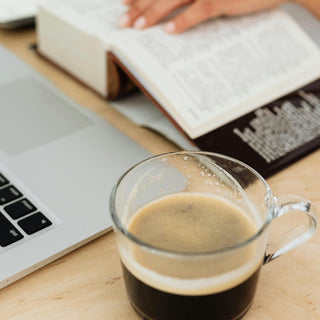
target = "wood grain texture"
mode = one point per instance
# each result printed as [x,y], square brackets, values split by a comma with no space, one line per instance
[87,283]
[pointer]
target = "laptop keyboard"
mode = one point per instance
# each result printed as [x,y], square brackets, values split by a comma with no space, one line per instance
[18,216]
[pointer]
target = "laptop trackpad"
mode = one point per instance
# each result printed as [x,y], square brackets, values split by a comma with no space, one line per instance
[32,116]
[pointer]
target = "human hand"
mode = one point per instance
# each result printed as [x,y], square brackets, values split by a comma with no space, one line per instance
[145,13]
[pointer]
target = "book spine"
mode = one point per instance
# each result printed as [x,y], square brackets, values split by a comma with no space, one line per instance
[119,83]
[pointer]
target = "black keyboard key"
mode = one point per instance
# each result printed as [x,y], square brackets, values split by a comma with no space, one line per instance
[20,208]
[8,233]
[3,180]
[34,223]
[9,194]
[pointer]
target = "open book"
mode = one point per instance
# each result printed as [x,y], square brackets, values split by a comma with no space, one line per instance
[202,79]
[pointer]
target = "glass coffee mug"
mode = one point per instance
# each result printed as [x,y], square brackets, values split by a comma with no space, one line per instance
[192,233]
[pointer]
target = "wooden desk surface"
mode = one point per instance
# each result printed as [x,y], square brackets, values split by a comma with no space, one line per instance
[87,283]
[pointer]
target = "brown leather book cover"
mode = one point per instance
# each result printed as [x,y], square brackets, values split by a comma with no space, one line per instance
[118,84]
[112,57]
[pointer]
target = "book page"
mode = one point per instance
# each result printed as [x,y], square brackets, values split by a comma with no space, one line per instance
[222,69]
[139,109]
[98,17]
[16,9]
[75,34]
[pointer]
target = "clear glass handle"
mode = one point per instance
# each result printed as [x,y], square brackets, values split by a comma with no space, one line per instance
[299,233]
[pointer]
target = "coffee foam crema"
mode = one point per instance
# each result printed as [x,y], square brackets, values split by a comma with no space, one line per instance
[192,222]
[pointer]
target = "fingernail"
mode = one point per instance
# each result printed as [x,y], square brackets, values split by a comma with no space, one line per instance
[124,20]
[140,23]
[170,27]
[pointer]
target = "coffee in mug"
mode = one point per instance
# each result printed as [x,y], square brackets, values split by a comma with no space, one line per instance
[191,223]
[192,231]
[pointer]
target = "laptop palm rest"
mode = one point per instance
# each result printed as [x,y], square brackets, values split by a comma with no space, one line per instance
[34,122]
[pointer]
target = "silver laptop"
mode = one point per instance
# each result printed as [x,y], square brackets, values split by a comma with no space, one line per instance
[58,163]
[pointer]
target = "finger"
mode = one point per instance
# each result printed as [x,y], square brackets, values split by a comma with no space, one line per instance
[128,2]
[135,10]
[196,13]
[236,7]
[157,12]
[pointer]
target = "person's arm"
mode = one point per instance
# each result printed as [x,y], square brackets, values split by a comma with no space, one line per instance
[145,13]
